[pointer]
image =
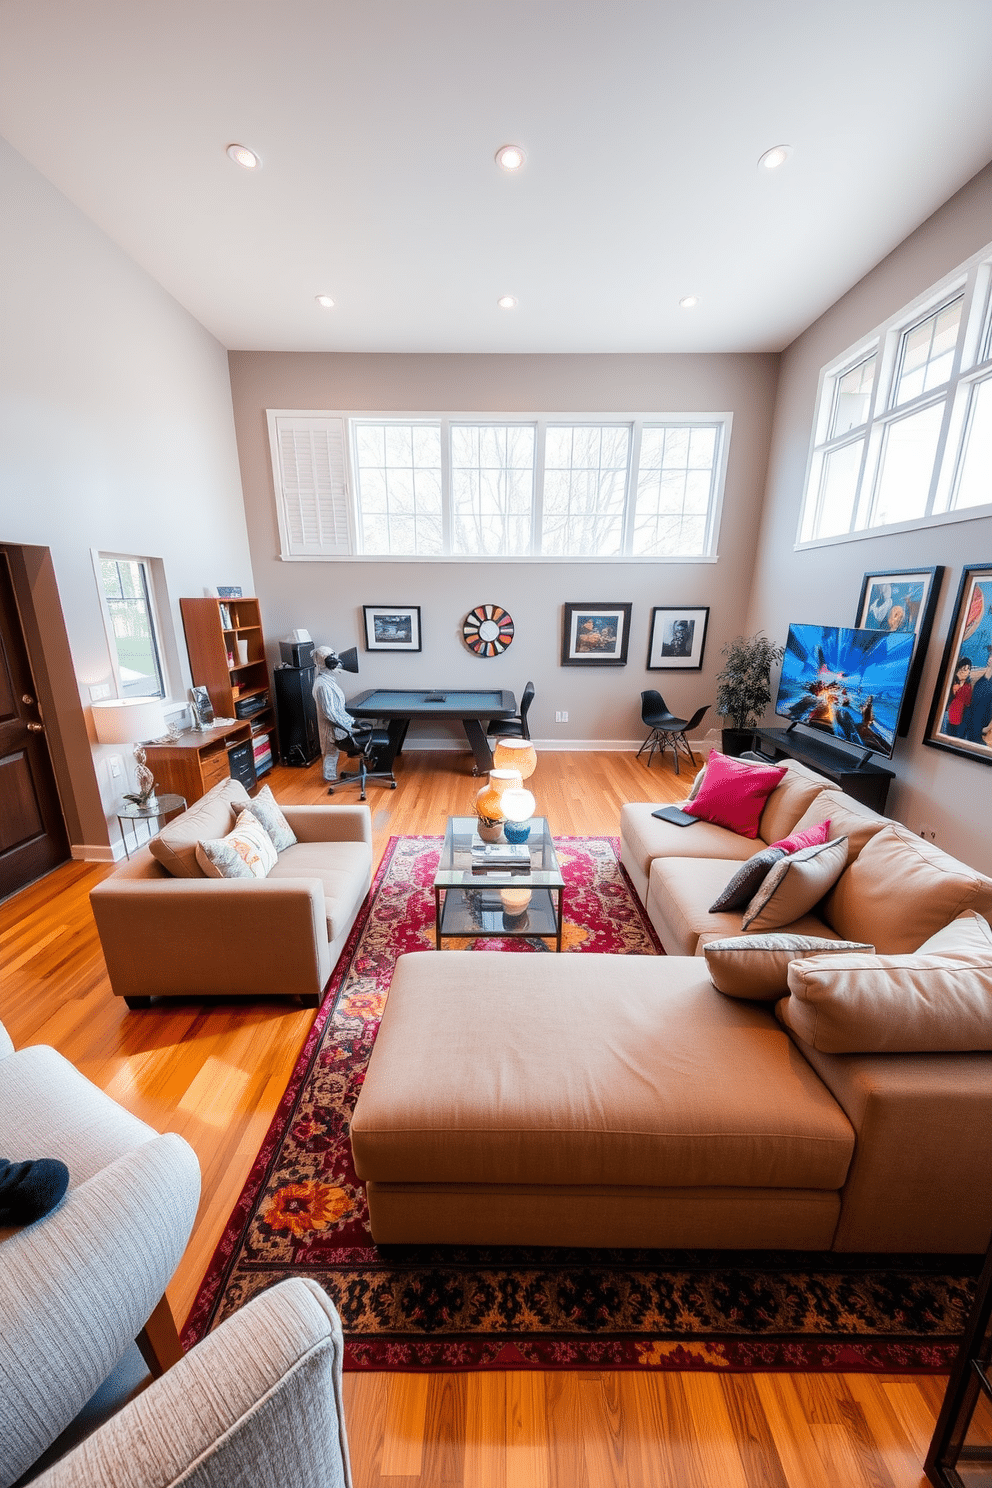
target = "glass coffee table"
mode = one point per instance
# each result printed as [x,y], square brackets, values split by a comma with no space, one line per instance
[491,902]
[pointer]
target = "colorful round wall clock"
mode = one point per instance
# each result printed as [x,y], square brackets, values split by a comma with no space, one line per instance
[488,630]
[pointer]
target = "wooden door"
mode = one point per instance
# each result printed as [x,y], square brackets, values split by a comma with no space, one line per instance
[33,837]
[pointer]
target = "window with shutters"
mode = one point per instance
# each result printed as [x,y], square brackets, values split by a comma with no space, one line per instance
[903,429]
[533,486]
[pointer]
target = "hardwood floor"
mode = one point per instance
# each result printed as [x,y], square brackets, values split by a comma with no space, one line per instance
[216,1073]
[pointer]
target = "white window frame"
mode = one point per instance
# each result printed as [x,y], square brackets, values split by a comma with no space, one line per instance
[972,364]
[149,566]
[339,425]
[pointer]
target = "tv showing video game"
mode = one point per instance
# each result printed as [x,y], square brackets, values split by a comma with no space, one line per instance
[846,683]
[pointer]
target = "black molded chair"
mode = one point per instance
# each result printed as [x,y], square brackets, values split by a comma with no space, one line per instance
[367,747]
[666,728]
[514,728]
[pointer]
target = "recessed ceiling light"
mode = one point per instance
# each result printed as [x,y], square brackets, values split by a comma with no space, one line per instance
[510,157]
[325,302]
[241,155]
[772,159]
[690,302]
[507,302]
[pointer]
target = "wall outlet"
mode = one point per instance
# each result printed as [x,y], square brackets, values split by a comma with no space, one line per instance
[929,834]
[116,766]
[561,718]
[100,690]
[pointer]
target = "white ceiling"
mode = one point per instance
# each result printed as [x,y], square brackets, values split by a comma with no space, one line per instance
[377,122]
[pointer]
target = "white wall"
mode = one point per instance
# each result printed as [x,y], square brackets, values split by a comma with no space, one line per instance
[116,433]
[822,585]
[603,704]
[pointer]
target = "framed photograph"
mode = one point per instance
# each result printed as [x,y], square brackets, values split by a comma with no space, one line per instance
[961,712]
[677,637]
[902,599]
[392,627]
[201,707]
[229,591]
[595,634]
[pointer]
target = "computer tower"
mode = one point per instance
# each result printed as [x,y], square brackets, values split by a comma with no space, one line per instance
[299,741]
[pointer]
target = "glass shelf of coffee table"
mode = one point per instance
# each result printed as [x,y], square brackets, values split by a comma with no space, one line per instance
[470,903]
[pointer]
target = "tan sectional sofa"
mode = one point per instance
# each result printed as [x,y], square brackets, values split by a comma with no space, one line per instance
[167,930]
[597,1100]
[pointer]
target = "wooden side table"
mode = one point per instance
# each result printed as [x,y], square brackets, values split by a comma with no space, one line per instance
[129,811]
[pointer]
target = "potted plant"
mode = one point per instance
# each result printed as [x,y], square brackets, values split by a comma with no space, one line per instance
[744,688]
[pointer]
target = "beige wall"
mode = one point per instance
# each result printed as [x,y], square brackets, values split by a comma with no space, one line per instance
[327,598]
[116,433]
[822,585]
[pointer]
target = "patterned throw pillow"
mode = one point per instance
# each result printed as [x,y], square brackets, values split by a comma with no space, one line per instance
[795,884]
[748,879]
[265,807]
[246,852]
[757,966]
[734,792]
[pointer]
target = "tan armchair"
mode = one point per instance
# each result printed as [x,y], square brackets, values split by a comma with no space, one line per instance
[168,935]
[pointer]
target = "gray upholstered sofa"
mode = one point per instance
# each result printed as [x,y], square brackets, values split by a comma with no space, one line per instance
[167,930]
[843,1101]
[258,1401]
[79,1286]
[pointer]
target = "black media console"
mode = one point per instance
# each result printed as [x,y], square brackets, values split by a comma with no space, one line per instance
[867,783]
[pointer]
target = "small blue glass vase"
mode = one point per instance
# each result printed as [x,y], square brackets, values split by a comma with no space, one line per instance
[516,831]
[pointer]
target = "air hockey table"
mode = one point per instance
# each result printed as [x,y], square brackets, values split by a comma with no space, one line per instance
[472,709]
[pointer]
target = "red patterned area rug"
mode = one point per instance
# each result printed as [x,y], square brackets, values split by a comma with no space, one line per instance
[303,1212]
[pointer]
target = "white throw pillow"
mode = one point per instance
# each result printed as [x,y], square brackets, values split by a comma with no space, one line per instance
[246,852]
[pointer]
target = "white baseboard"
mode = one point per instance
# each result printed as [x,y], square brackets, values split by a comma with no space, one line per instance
[89,852]
[561,746]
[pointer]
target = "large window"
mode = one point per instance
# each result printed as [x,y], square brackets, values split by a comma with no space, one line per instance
[903,432]
[130,614]
[458,486]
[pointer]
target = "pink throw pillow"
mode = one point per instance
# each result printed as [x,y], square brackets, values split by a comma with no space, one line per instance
[812,837]
[734,792]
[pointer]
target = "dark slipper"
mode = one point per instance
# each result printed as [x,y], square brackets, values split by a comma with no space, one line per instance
[29,1190]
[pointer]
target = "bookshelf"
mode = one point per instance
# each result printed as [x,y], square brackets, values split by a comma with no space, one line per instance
[227,656]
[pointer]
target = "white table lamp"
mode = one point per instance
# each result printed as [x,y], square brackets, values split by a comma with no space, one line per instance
[129,721]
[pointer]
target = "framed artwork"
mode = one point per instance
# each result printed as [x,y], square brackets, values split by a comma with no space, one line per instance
[902,599]
[961,712]
[677,637]
[487,630]
[392,627]
[595,634]
[229,591]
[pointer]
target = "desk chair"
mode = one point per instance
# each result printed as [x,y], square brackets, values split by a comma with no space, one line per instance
[514,728]
[366,747]
[667,729]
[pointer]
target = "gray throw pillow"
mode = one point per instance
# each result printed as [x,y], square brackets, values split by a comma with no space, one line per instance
[747,880]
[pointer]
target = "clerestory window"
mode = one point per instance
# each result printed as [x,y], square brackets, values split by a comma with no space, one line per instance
[525,487]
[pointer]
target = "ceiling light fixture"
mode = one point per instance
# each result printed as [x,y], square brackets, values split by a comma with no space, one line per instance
[507,302]
[773,158]
[690,302]
[510,157]
[241,155]
[325,302]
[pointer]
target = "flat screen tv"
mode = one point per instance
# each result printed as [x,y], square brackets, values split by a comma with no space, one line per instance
[846,683]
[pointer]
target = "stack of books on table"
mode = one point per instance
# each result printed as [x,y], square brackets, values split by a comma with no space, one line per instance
[498,855]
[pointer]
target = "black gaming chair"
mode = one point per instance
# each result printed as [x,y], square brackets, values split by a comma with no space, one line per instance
[367,746]
[666,728]
[510,728]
